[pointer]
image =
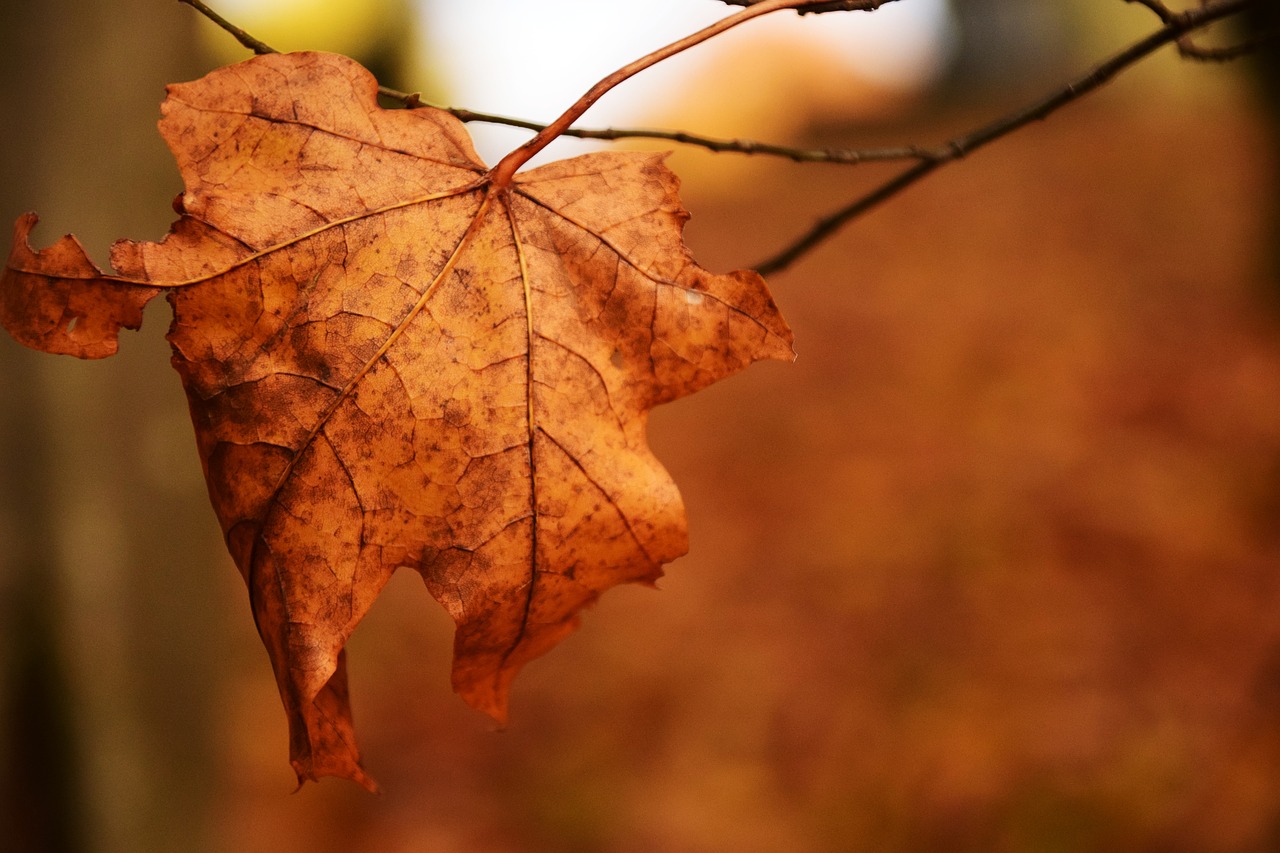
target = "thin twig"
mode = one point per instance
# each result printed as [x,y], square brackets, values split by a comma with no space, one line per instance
[842,156]
[1176,26]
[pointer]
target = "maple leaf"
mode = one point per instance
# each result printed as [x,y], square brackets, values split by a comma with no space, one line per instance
[394,359]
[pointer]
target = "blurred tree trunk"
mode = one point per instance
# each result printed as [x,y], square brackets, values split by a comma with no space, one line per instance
[105,745]
[42,805]
[1266,67]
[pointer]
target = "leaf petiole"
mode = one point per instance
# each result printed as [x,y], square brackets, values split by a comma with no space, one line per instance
[502,173]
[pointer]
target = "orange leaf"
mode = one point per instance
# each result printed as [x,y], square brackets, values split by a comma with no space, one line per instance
[394,360]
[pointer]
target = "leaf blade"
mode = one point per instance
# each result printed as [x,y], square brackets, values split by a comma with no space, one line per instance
[392,361]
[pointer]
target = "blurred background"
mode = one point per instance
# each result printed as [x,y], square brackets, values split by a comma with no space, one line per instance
[994,566]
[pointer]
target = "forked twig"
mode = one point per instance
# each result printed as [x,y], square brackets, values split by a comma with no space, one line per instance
[1175,26]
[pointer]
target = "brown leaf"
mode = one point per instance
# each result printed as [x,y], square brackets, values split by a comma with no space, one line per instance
[393,360]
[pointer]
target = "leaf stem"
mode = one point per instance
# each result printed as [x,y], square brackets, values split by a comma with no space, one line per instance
[502,173]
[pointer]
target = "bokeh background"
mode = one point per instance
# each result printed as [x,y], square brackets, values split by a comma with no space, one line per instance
[994,566]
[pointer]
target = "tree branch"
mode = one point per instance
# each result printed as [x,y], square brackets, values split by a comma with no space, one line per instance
[1175,26]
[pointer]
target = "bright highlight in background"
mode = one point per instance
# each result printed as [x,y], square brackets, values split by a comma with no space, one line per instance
[531,60]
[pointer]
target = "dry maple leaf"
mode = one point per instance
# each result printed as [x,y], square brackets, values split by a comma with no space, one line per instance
[393,358]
